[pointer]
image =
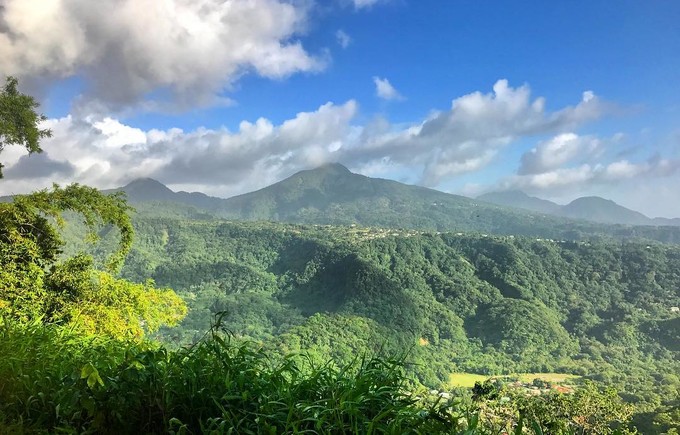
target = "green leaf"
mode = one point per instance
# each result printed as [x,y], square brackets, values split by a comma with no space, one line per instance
[91,374]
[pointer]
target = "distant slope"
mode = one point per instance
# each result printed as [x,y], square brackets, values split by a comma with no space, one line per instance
[596,209]
[146,189]
[667,221]
[591,208]
[331,194]
[519,199]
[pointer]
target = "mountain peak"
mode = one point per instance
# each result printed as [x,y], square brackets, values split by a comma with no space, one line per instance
[593,200]
[146,189]
[145,182]
[603,210]
[334,167]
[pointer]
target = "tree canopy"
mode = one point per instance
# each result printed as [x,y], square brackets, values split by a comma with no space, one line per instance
[19,119]
[35,284]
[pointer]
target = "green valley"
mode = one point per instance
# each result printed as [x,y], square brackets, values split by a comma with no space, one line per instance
[491,305]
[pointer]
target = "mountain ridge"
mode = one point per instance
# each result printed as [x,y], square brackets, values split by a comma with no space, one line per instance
[332,194]
[519,199]
[332,183]
[590,208]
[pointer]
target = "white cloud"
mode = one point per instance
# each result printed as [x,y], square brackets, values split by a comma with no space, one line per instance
[385,90]
[466,137]
[104,152]
[588,175]
[359,4]
[126,49]
[588,95]
[343,38]
[557,151]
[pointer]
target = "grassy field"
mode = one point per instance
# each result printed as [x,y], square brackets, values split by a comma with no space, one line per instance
[467,380]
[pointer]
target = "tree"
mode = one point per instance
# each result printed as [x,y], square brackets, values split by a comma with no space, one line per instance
[34,284]
[19,120]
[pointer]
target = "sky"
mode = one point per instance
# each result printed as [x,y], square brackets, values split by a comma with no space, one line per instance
[558,99]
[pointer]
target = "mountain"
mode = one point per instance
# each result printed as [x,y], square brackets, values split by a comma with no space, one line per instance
[519,199]
[674,222]
[590,208]
[340,195]
[331,194]
[596,209]
[146,189]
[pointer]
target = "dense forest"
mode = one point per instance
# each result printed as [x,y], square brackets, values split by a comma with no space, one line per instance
[78,360]
[482,304]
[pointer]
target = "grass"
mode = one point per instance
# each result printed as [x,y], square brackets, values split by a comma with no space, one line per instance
[465,380]
[53,380]
[57,381]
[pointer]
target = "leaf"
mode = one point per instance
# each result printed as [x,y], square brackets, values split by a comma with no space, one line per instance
[537,428]
[91,374]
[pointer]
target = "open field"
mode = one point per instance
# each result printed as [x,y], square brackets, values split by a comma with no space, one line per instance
[468,380]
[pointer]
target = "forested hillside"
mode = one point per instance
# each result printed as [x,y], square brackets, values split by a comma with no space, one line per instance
[456,302]
[323,329]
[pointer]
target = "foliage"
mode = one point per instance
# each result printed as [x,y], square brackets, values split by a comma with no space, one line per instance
[601,310]
[69,382]
[57,380]
[588,410]
[34,284]
[98,303]
[526,330]
[19,121]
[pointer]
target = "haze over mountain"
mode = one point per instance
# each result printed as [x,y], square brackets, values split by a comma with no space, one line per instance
[519,199]
[590,208]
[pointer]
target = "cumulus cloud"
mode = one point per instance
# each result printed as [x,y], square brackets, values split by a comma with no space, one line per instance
[39,166]
[473,130]
[343,38]
[569,163]
[557,151]
[385,90]
[128,49]
[587,175]
[105,152]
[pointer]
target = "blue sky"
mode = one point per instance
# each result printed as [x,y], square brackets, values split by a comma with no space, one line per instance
[558,99]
